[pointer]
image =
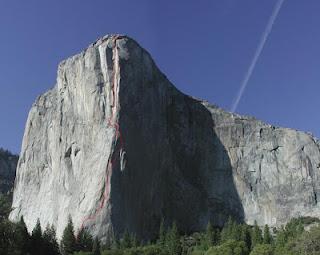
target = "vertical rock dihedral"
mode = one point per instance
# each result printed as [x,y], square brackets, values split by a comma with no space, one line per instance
[117,147]
[112,121]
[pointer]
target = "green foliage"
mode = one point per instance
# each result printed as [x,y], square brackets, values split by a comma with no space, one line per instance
[21,238]
[84,241]
[262,249]
[50,242]
[267,237]
[82,253]
[231,231]
[283,251]
[245,235]
[184,245]
[290,232]
[37,244]
[15,239]
[293,240]
[126,240]
[144,250]
[236,231]
[68,242]
[210,238]
[227,231]
[191,243]
[151,250]
[236,239]
[173,244]
[112,252]
[197,252]
[96,247]
[115,244]
[162,234]
[294,228]
[5,206]
[281,238]
[230,247]
[308,242]
[195,239]
[134,241]
[256,237]
[6,237]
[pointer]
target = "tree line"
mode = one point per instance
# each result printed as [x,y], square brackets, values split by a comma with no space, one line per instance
[233,239]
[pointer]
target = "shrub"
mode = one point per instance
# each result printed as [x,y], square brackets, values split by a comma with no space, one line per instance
[230,247]
[262,249]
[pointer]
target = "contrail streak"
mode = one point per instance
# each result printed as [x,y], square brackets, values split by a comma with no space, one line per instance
[257,54]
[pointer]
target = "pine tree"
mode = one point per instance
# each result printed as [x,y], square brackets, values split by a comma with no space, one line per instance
[51,246]
[125,241]
[267,237]
[22,238]
[36,240]
[235,231]
[208,238]
[266,249]
[184,246]
[133,241]
[114,242]
[226,233]
[68,241]
[246,235]
[256,237]
[84,241]
[217,236]
[281,238]
[300,227]
[173,240]
[6,237]
[210,234]
[162,234]
[96,247]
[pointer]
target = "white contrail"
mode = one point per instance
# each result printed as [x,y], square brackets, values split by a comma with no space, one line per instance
[257,54]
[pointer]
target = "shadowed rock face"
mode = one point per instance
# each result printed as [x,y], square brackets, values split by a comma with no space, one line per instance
[8,164]
[117,146]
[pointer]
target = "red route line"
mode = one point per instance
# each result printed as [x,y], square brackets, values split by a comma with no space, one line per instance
[116,126]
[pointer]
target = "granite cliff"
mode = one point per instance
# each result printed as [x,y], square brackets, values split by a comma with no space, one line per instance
[115,145]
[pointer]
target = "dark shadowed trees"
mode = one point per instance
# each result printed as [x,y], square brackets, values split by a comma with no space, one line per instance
[68,243]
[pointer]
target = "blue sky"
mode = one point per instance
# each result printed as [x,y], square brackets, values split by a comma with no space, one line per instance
[203,46]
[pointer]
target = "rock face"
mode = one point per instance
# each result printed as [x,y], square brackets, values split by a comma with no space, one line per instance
[115,145]
[8,165]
